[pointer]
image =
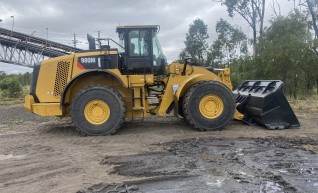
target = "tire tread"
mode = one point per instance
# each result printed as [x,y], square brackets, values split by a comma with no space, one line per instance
[102,87]
[186,99]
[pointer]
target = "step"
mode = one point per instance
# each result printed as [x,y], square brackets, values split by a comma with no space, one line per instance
[151,97]
[138,108]
[154,104]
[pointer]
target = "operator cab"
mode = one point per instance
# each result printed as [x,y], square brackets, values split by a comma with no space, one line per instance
[141,52]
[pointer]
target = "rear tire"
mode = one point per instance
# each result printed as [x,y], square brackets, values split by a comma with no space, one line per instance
[98,110]
[208,105]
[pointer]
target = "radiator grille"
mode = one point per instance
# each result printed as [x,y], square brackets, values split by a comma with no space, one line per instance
[61,77]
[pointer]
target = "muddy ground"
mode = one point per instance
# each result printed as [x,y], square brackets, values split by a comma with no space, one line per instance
[159,155]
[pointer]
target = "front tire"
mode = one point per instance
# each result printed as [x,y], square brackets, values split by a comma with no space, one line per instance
[208,105]
[98,110]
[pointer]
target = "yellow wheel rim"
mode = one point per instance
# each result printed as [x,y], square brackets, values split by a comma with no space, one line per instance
[211,106]
[97,112]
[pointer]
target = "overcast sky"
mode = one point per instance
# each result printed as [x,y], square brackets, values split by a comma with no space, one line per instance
[63,18]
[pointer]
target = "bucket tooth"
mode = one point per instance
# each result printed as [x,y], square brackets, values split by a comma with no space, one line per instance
[263,102]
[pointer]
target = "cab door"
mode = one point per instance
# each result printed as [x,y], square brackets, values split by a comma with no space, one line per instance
[139,57]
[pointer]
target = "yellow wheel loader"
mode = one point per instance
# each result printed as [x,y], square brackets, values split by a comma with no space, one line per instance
[100,88]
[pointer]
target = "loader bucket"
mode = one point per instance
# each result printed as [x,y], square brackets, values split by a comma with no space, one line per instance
[263,102]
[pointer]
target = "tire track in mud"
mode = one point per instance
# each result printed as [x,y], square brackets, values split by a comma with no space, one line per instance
[215,165]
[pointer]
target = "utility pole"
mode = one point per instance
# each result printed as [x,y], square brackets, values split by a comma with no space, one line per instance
[74,41]
[99,43]
[47,35]
[31,35]
[12,16]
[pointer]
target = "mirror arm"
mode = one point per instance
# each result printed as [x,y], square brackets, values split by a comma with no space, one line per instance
[187,61]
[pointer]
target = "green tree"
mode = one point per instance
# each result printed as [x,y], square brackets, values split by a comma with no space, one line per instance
[313,10]
[312,6]
[243,68]
[2,75]
[285,52]
[252,11]
[10,87]
[25,78]
[230,44]
[196,42]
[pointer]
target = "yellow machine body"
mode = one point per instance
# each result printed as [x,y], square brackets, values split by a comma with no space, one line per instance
[61,78]
[99,88]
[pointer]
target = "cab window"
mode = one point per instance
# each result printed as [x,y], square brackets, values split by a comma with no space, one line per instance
[158,57]
[137,43]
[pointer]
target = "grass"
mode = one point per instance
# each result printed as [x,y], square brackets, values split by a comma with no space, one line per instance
[11,101]
[308,104]
[307,101]
[6,101]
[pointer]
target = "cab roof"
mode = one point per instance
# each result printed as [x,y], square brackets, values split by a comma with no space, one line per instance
[155,27]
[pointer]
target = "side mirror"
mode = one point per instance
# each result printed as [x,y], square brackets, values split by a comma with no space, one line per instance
[187,61]
[163,62]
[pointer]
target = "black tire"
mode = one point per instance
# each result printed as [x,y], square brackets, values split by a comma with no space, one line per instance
[106,94]
[180,109]
[193,97]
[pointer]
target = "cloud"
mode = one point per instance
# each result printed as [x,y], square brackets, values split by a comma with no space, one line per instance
[14,69]
[64,18]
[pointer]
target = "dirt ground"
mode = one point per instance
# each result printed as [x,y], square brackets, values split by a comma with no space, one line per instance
[163,155]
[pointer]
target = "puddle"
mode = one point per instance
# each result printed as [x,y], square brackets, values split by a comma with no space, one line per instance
[288,167]
[222,165]
[271,187]
[213,181]
[283,171]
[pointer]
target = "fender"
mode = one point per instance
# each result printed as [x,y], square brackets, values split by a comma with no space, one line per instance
[109,72]
[177,85]
[186,84]
[192,80]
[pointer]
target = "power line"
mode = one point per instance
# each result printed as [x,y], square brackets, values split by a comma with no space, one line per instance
[55,34]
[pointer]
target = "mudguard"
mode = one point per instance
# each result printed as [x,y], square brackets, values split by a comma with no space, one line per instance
[263,102]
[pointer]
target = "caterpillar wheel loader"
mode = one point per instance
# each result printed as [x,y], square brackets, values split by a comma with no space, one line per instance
[100,88]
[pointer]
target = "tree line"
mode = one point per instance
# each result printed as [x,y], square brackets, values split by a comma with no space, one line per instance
[11,85]
[285,49]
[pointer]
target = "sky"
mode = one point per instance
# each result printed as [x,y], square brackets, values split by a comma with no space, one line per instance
[61,19]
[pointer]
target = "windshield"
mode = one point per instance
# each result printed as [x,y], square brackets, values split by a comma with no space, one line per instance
[158,58]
